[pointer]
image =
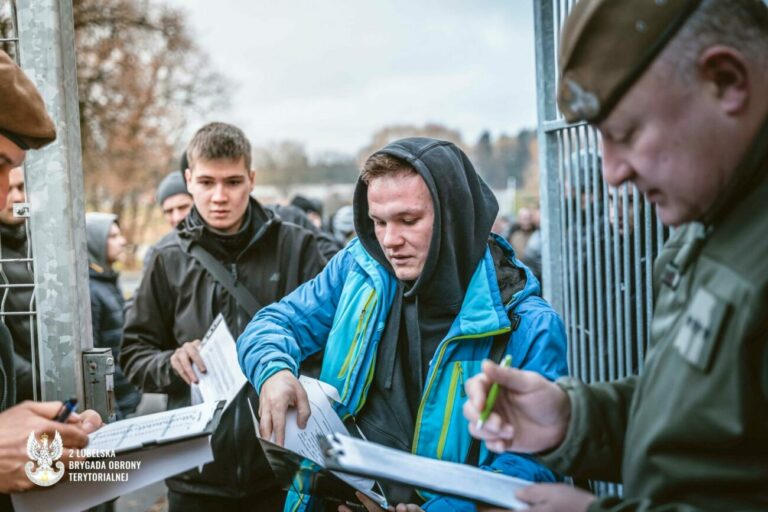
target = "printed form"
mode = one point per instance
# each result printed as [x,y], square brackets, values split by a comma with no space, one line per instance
[223,378]
[323,421]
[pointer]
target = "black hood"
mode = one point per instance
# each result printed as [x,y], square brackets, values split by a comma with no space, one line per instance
[465,209]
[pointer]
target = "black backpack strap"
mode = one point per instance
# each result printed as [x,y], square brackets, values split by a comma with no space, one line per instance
[497,353]
[244,298]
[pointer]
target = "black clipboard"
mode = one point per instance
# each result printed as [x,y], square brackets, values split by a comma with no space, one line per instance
[295,472]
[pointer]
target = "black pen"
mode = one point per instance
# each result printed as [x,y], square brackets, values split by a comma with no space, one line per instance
[66,409]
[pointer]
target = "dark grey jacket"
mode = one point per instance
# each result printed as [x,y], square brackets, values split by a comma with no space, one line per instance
[108,306]
[16,300]
[177,301]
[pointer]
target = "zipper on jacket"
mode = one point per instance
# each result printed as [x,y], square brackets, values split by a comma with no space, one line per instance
[462,391]
[436,361]
[356,338]
[455,373]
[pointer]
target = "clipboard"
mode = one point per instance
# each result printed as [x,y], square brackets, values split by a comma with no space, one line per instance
[156,430]
[294,472]
[303,475]
[161,448]
[353,456]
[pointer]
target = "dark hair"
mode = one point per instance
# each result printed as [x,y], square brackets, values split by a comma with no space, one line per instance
[219,141]
[380,164]
[740,24]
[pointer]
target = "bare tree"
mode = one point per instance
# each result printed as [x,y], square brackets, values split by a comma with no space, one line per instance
[141,79]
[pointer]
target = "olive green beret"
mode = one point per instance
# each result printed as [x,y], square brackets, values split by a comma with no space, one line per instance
[23,118]
[605,45]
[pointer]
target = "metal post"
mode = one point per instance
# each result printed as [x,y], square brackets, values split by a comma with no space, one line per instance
[54,183]
[551,226]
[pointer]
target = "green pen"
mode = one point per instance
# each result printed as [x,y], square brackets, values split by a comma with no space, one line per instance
[492,394]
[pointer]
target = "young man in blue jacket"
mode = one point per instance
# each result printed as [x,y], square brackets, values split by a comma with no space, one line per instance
[407,312]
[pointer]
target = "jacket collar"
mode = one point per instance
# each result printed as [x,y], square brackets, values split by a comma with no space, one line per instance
[483,294]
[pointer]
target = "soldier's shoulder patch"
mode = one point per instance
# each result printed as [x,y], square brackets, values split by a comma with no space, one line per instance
[697,338]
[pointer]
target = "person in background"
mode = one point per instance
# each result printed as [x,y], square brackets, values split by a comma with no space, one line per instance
[19,298]
[343,224]
[313,208]
[25,125]
[106,245]
[521,231]
[180,296]
[174,198]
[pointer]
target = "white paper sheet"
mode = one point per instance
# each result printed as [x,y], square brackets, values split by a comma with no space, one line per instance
[377,461]
[156,464]
[323,420]
[152,428]
[223,377]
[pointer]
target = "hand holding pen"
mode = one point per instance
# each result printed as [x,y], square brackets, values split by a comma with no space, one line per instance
[19,421]
[526,412]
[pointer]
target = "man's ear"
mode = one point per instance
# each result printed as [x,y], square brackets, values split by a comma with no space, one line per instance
[188,176]
[252,177]
[726,71]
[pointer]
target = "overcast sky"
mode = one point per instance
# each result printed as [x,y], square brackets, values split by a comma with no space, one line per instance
[328,74]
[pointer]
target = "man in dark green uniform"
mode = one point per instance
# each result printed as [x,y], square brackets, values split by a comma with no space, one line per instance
[679,92]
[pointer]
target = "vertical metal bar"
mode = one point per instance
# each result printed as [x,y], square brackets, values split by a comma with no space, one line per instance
[573,324]
[574,156]
[32,327]
[639,291]
[55,188]
[589,272]
[650,254]
[598,213]
[617,267]
[550,223]
[565,255]
[626,281]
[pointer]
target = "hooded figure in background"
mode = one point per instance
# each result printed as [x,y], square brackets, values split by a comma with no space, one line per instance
[105,246]
[408,311]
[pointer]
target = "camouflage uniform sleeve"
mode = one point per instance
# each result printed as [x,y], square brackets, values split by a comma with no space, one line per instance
[594,442]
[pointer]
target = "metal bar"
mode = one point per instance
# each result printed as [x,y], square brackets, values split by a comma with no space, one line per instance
[626,282]
[598,214]
[560,124]
[650,254]
[589,203]
[54,184]
[552,272]
[574,157]
[617,266]
[610,281]
[573,325]
[565,254]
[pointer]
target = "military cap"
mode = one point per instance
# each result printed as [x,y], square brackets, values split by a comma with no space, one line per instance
[23,118]
[605,46]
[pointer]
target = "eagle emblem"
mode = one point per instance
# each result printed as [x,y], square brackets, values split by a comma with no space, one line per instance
[44,455]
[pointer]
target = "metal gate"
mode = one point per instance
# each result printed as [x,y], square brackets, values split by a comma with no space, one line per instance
[39,34]
[599,241]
